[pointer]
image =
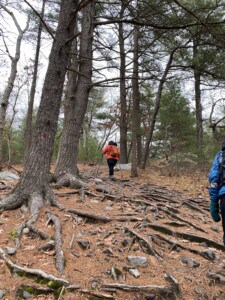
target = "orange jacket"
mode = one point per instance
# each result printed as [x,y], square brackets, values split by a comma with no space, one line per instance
[108,151]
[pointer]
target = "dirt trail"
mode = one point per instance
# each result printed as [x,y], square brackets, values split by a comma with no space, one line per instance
[149,237]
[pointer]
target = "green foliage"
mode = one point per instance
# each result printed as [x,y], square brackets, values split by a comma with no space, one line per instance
[89,148]
[176,121]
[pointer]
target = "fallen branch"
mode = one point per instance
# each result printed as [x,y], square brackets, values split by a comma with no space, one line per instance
[29,271]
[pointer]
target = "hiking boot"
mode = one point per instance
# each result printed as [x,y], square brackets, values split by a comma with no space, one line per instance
[111,177]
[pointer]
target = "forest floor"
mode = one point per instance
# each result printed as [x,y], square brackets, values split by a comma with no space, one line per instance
[149,237]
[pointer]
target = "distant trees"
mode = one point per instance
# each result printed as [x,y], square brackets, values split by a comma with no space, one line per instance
[174,40]
[13,69]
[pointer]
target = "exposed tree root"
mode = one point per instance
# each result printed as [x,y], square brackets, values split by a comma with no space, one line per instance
[180,219]
[146,243]
[34,290]
[36,231]
[11,201]
[193,207]
[102,218]
[29,271]
[60,260]
[47,246]
[168,292]
[40,233]
[70,180]
[166,209]
[218,277]
[189,237]
[97,295]
[175,245]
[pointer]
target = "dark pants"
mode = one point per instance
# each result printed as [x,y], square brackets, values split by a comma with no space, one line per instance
[222,210]
[111,164]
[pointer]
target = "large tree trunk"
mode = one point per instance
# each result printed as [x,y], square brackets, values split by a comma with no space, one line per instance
[13,71]
[76,104]
[28,125]
[135,107]
[123,103]
[33,187]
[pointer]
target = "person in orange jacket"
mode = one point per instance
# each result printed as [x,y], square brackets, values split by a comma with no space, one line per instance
[112,153]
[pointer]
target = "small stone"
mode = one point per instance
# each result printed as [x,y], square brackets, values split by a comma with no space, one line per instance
[107,208]
[190,262]
[125,242]
[85,244]
[94,201]
[2,293]
[10,250]
[138,261]
[98,181]
[153,208]
[134,272]
[26,230]
[215,228]
[108,251]
[27,295]
[209,253]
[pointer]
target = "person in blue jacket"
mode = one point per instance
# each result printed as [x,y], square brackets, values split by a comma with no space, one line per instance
[217,188]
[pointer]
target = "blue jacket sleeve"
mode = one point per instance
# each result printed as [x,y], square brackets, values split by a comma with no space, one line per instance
[214,178]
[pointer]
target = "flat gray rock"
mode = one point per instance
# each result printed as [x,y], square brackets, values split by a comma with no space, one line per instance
[138,261]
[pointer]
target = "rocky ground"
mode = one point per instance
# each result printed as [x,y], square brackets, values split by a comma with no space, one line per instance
[149,237]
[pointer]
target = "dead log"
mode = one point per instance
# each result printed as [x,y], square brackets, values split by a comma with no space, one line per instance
[29,271]
[60,261]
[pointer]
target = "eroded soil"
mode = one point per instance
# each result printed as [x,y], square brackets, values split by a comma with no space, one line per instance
[164,219]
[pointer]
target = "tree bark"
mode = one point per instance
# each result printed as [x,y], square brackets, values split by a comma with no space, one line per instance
[76,103]
[33,187]
[123,103]
[156,109]
[135,108]
[198,105]
[28,125]
[13,71]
